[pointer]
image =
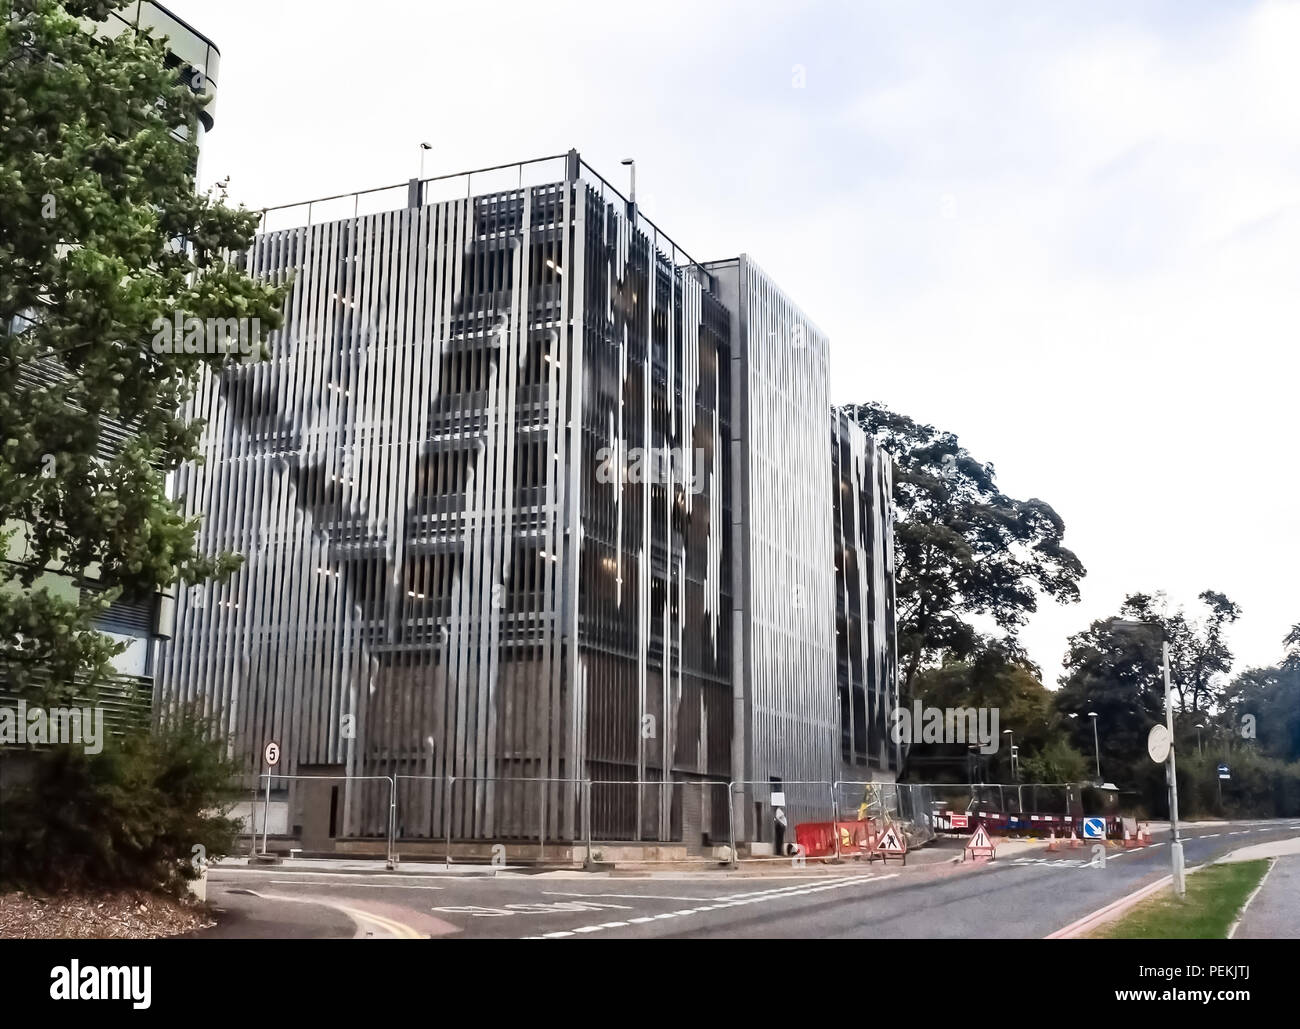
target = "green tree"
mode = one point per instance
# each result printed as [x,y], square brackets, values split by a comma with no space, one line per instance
[1292,644]
[993,679]
[1115,673]
[101,235]
[1056,762]
[964,549]
[1114,669]
[1199,658]
[1263,705]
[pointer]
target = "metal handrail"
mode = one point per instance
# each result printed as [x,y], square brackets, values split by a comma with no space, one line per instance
[405,183]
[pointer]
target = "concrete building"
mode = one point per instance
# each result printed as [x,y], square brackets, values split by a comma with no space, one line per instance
[529,498]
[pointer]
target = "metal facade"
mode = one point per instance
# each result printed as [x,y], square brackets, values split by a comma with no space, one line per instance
[867,658]
[441,576]
[788,725]
[525,495]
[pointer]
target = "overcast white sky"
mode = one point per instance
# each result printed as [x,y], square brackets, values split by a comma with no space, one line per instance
[1067,232]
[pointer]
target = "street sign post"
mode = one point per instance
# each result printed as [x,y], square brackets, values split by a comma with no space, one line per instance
[1171,763]
[1171,773]
[1158,744]
[1094,828]
[272,756]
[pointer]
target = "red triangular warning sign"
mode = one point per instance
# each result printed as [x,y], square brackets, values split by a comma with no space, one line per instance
[892,841]
[979,844]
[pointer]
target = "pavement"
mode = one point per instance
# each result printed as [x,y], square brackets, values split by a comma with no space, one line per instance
[1026,892]
[1273,913]
[1272,848]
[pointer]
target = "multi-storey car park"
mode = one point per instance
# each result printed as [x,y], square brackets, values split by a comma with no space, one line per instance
[540,518]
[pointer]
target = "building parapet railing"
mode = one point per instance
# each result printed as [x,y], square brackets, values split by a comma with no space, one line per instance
[421,191]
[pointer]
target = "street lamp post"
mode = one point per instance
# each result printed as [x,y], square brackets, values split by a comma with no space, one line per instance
[1096,743]
[1199,751]
[1009,732]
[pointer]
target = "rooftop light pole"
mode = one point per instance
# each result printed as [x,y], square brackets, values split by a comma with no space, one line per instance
[631,196]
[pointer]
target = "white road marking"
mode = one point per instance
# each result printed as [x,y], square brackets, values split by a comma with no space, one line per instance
[555,907]
[756,897]
[616,896]
[217,871]
[368,886]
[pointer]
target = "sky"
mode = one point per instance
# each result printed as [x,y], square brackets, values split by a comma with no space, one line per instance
[1067,233]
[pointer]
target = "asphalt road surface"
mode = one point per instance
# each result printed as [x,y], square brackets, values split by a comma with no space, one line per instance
[1029,894]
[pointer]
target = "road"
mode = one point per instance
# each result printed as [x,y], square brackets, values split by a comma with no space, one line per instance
[1028,895]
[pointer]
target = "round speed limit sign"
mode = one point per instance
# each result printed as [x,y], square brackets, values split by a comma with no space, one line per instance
[272,754]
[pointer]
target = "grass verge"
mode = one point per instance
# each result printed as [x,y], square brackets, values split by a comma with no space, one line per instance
[1214,896]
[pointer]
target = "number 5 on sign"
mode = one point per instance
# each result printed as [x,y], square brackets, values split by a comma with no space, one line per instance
[272,754]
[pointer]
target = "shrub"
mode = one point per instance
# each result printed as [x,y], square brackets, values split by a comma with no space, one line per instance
[134,815]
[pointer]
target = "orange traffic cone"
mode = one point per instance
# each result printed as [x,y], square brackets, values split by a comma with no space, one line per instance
[1129,842]
[1051,843]
[1075,842]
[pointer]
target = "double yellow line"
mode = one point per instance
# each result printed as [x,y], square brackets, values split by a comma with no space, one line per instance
[398,929]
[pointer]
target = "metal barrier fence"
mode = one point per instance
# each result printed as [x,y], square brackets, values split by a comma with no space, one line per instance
[1039,797]
[347,780]
[485,809]
[909,805]
[798,801]
[691,814]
